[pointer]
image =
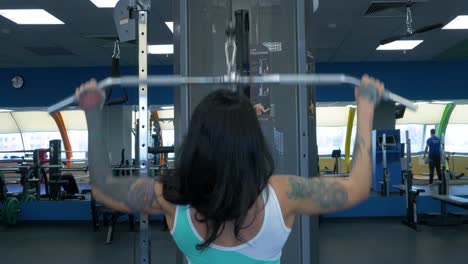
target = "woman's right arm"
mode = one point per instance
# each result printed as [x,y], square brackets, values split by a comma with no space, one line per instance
[318,195]
[125,194]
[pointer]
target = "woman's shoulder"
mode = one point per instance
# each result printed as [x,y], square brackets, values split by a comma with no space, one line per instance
[279,182]
[280,185]
[167,206]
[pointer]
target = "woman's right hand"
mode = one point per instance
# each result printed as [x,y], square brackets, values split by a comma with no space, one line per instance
[369,92]
[88,95]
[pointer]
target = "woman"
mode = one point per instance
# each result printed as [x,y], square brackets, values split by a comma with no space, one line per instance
[224,205]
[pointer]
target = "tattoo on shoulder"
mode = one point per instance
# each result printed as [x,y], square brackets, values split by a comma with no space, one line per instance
[142,194]
[328,195]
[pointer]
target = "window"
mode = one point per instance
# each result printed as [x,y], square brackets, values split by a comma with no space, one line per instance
[38,130]
[39,140]
[79,143]
[416,135]
[75,122]
[32,141]
[427,133]
[456,138]
[168,140]
[168,137]
[330,138]
[11,142]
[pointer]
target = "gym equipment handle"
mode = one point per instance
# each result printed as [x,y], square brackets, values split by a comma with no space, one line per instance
[291,79]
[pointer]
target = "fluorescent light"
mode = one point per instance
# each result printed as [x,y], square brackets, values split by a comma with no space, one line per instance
[170,25]
[5,110]
[30,17]
[460,22]
[401,45]
[161,49]
[167,107]
[350,106]
[421,103]
[442,102]
[105,3]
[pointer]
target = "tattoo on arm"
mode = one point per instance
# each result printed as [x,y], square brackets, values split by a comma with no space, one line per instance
[136,193]
[142,195]
[370,94]
[327,195]
[359,149]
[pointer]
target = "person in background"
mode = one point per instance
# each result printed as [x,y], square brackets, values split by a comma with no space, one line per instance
[433,145]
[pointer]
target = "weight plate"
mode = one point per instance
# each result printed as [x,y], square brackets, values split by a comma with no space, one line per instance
[10,211]
[29,198]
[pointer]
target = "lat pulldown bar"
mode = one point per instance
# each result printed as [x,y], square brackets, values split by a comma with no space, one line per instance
[291,79]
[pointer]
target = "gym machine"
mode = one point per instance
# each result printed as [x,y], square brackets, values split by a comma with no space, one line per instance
[59,180]
[39,172]
[336,154]
[230,79]
[444,218]
[9,206]
[386,175]
[450,159]
[411,193]
[109,219]
[30,174]
[386,159]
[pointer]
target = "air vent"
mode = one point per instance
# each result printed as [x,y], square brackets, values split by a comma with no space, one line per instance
[390,8]
[457,52]
[50,51]
[122,45]
[108,41]
[102,37]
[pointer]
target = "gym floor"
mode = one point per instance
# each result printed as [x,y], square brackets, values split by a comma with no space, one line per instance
[369,241]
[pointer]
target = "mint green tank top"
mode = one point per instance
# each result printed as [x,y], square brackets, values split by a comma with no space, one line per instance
[264,248]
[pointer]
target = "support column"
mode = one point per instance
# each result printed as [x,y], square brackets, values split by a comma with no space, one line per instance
[144,238]
[311,243]
[57,116]
[181,93]
[444,120]
[349,131]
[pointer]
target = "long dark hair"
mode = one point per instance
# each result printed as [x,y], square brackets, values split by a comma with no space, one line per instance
[223,164]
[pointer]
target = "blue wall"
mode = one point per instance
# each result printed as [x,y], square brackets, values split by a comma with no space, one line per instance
[415,80]
[46,86]
[375,206]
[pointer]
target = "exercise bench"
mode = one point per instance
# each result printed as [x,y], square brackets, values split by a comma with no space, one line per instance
[411,197]
[452,200]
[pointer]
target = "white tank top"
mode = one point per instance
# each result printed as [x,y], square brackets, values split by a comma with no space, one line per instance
[266,246]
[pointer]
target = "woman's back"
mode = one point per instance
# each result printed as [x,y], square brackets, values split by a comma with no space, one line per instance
[263,234]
